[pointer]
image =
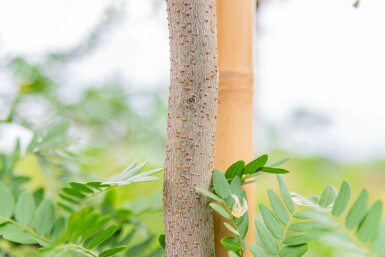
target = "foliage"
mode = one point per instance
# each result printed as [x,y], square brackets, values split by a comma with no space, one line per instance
[230,200]
[286,228]
[80,220]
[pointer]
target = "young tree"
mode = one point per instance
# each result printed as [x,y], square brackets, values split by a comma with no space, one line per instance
[191,127]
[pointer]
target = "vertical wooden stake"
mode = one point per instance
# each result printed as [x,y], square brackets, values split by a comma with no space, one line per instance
[234,134]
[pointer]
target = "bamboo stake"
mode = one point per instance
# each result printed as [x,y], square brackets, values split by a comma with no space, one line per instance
[234,120]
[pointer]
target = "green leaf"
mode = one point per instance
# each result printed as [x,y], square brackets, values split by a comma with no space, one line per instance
[271,222]
[231,228]
[220,184]
[38,195]
[328,196]
[81,187]
[102,236]
[243,226]
[297,239]
[337,239]
[267,238]
[69,199]
[235,186]
[233,254]
[97,224]
[303,226]
[342,199]
[112,251]
[58,228]
[66,207]
[138,249]
[73,192]
[209,194]
[8,228]
[25,208]
[274,170]
[285,194]
[255,165]
[6,200]
[317,215]
[19,237]
[84,225]
[232,244]
[369,227]
[41,241]
[235,170]
[294,251]
[219,209]
[44,217]
[378,244]
[96,185]
[358,211]
[162,241]
[278,207]
[3,220]
[258,251]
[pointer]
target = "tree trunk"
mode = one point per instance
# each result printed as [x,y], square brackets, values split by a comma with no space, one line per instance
[191,128]
[234,133]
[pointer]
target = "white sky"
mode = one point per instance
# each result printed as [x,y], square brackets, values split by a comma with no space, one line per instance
[323,55]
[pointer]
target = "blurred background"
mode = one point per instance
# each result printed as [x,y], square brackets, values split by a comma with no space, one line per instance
[97,72]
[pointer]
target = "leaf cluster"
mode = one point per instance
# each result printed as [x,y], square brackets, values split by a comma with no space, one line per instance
[33,219]
[331,218]
[230,200]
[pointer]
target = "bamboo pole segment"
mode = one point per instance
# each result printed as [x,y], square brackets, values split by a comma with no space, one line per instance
[234,119]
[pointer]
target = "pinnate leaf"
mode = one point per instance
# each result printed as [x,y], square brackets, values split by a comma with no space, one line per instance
[369,227]
[220,210]
[267,238]
[258,251]
[44,217]
[112,251]
[102,236]
[285,194]
[232,244]
[278,207]
[328,196]
[220,184]
[25,208]
[256,165]
[342,199]
[7,201]
[209,194]
[271,221]
[236,169]
[358,211]
[294,251]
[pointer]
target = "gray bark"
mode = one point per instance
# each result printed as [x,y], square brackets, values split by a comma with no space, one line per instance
[191,127]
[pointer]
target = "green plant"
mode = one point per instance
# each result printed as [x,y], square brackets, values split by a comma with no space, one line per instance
[81,219]
[293,220]
[34,219]
[230,201]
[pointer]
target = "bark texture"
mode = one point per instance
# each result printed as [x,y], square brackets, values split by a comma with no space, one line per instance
[191,127]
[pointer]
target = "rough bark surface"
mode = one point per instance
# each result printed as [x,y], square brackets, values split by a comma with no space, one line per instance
[191,127]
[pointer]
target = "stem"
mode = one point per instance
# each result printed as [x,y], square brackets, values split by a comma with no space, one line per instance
[286,228]
[236,227]
[81,248]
